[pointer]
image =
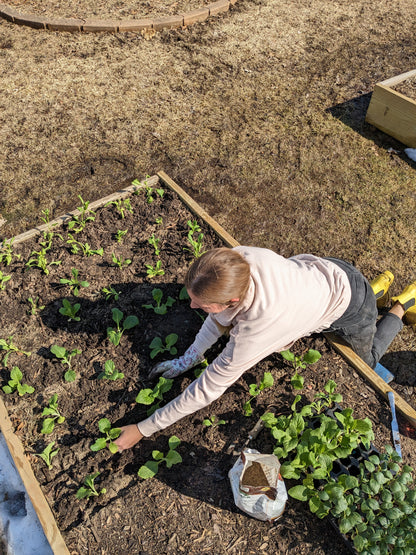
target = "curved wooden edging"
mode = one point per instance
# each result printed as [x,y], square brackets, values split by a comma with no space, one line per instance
[97,25]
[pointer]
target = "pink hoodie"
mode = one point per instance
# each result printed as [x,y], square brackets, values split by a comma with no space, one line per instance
[288,298]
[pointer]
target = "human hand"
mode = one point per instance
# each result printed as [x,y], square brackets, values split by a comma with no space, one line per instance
[130,435]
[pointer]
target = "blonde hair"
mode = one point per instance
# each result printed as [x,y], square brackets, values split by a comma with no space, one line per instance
[219,276]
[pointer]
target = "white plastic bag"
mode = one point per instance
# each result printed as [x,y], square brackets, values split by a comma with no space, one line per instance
[265,498]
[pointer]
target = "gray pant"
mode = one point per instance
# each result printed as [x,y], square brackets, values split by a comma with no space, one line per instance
[368,337]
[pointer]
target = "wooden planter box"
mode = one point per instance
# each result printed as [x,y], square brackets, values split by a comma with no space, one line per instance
[7,428]
[393,112]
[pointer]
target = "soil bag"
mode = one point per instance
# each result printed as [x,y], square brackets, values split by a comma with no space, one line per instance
[258,488]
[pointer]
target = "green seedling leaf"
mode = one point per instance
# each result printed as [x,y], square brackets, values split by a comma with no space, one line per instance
[99,444]
[104,425]
[14,384]
[47,454]
[148,470]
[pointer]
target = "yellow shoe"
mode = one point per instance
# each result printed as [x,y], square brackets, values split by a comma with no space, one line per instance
[380,286]
[407,299]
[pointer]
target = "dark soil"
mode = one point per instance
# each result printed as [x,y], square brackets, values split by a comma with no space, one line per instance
[190,508]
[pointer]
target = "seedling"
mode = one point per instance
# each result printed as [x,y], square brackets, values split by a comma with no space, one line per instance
[121,206]
[47,454]
[310,357]
[34,307]
[213,422]
[54,416]
[200,369]
[150,468]
[78,222]
[154,242]
[3,280]
[14,384]
[196,244]
[183,294]
[119,261]
[9,347]
[153,271]
[149,192]
[104,426]
[110,372]
[159,308]
[90,489]
[157,345]
[120,235]
[7,253]
[66,358]
[40,261]
[74,283]
[255,390]
[111,293]
[114,334]
[70,310]
[159,220]
[150,396]
[84,248]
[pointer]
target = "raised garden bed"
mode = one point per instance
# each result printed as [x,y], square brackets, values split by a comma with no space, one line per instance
[188,508]
[392,108]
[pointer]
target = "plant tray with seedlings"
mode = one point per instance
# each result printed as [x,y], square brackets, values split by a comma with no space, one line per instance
[369,496]
[88,304]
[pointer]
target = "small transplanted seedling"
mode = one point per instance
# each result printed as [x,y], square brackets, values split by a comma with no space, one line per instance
[213,422]
[150,468]
[159,308]
[47,454]
[119,236]
[70,310]
[150,396]
[157,346]
[111,293]
[34,306]
[298,362]
[154,242]
[153,271]
[8,346]
[14,384]
[119,261]
[121,206]
[110,372]
[7,253]
[104,425]
[78,222]
[84,248]
[196,243]
[53,414]
[66,358]
[149,190]
[255,390]
[38,260]
[89,490]
[200,369]
[159,220]
[3,280]
[114,334]
[74,283]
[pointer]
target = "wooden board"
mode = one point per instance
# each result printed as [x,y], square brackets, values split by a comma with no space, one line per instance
[392,112]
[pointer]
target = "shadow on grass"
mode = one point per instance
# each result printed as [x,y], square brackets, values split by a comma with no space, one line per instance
[353,112]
